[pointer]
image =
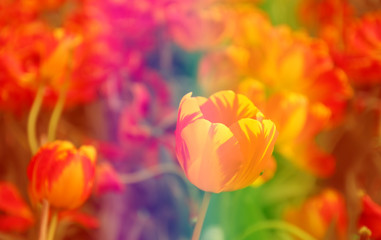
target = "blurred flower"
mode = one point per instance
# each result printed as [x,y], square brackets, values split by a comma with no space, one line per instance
[295,63]
[61,174]
[318,213]
[326,18]
[298,122]
[223,143]
[69,57]
[107,179]
[201,26]
[222,69]
[15,213]
[147,119]
[370,217]
[359,54]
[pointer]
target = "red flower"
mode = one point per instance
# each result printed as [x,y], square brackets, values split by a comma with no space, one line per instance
[370,217]
[18,217]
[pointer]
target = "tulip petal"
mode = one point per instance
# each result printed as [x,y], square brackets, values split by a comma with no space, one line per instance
[226,107]
[256,140]
[212,155]
[189,110]
[72,175]
[15,214]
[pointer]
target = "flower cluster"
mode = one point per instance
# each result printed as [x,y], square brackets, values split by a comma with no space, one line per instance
[272,113]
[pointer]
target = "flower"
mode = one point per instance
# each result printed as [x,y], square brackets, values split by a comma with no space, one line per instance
[298,121]
[107,179]
[370,216]
[15,214]
[359,55]
[61,174]
[319,213]
[223,143]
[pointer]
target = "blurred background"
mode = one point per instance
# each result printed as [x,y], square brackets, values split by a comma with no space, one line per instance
[111,73]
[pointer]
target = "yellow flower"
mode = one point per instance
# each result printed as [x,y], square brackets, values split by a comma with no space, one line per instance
[223,143]
[62,174]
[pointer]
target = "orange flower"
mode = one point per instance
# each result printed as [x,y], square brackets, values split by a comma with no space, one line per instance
[320,212]
[223,143]
[298,122]
[62,174]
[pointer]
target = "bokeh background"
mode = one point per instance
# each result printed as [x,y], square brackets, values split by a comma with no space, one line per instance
[114,72]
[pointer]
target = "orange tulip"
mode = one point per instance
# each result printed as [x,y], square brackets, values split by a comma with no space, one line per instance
[223,143]
[62,174]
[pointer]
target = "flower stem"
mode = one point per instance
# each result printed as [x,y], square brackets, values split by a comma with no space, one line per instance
[44,220]
[53,226]
[201,216]
[278,225]
[32,119]
[56,115]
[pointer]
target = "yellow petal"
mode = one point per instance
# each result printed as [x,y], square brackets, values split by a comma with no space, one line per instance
[256,140]
[226,107]
[88,151]
[212,155]
[69,187]
[189,110]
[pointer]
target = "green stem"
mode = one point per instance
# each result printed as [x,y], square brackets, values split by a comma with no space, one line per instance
[201,216]
[278,225]
[53,226]
[32,119]
[44,220]
[56,115]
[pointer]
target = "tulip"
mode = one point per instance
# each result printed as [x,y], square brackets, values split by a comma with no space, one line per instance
[61,174]
[223,143]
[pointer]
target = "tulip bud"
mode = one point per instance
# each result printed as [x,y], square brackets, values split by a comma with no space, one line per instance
[61,174]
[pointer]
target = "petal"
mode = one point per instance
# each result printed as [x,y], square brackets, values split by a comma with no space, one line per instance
[88,152]
[66,191]
[189,110]
[15,223]
[212,155]
[268,172]
[256,140]
[12,203]
[107,179]
[227,107]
